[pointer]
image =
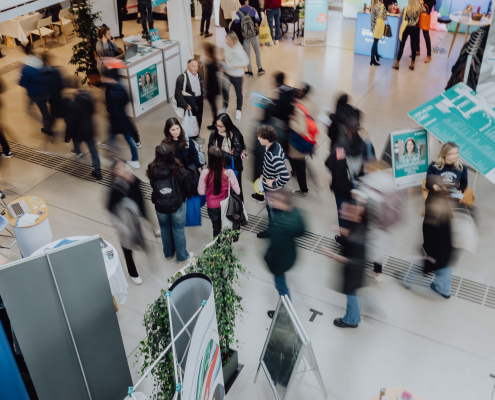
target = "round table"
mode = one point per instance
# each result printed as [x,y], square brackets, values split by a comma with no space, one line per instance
[115,273]
[31,238]
[19,27]
[392,393]
[458,18]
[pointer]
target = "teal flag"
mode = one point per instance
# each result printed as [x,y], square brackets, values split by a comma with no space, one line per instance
[158,2]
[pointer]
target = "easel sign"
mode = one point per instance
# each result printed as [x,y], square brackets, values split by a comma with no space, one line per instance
[287,344]
[407,152]
[10,41]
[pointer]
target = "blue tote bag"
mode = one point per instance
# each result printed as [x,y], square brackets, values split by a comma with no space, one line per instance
[231,166]
[193,210]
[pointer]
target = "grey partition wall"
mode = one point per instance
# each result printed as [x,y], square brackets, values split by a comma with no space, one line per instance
[61,309]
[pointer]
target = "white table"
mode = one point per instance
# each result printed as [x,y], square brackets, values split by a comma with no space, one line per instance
[19,27]
[116,277]
[458,18]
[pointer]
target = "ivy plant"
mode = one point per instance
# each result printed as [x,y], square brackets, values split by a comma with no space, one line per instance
[221,265]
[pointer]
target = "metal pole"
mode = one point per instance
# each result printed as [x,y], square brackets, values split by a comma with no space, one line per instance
[172,337]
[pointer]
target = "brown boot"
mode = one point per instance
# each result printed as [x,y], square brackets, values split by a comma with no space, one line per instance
[396,65]
[411,67]
[418,53]
[428,59]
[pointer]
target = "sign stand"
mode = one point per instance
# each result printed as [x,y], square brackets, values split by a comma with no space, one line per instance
[287,336]
[315,22]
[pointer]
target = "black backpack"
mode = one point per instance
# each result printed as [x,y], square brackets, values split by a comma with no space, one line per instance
[167,195]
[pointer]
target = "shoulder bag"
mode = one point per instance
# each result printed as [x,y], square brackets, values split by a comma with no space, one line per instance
[179,110]
[388,30]
[224,205]
[425,20]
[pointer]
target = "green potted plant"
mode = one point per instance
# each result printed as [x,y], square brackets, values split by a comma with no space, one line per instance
[84,52]
[222,266]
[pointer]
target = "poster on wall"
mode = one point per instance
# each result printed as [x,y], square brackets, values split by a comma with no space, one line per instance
[315,17]
[148,84]
[410,156]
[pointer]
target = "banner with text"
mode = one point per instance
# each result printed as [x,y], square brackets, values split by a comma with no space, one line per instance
[315,15]
[148,84]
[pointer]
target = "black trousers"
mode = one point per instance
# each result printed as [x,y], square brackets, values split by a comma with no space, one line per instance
[228,21]
[215,215]
[146,10]
[213,104]
[300,167]
[426,35]
[131,267]
[413,33]
[42,103]
[207,10]
[3,143]
[374,50]
[198,111]
[237,82]
[120,16]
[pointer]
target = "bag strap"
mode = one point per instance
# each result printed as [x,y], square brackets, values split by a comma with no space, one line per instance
[303,109]
[185,81]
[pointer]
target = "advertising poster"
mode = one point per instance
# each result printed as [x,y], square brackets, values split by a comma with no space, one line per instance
[315,18]
[461,116]
[148,84]
[410,156]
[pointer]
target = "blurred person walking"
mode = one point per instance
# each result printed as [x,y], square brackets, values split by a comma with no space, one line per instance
[171,186]
[273,12]
[275,174]
[55,85]
[117,99]
[411,15]
[212,83]
[32,80]
[214,182]
[235,61]
[229,139]
[5,153]
[126,206]
[287,224]
[206,11]
[454,176]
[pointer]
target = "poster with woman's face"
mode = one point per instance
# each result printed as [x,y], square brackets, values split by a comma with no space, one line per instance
[410,156]
[148,84]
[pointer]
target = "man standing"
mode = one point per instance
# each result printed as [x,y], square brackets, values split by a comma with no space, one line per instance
[146,9]
[121,12]
[206,11]
[249,21]
[272,8]
[275,174]
[194,89]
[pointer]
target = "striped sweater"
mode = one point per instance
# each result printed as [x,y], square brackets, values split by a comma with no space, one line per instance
[274,167]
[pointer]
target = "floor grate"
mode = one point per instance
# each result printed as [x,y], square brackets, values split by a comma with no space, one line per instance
[10,67]
[395,267]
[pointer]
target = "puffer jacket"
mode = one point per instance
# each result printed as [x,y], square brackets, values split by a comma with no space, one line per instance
[237,142]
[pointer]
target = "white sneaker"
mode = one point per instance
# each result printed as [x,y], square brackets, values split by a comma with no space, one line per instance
[276,42]
[191,256]
[269,44]
[372,274]
[238,114]
[137,281]
[223,111]
[134,164]
[158,233]
[139,145]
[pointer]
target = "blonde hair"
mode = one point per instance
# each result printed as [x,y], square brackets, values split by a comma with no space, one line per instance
[376,3]
[412,7]
[440,162]
[232,36]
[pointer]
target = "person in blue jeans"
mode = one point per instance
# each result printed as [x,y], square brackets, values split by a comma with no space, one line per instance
[145,8]
[171,187]
[273,11]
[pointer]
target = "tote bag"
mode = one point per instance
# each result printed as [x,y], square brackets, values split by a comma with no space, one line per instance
[265,35]
[379,26]
[425,20]
[193,210]
[190,125]
[231,166]
[224,205]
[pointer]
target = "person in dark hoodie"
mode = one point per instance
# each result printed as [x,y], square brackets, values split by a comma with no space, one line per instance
[117,100]
[212,86]
[32,80]
[54,86]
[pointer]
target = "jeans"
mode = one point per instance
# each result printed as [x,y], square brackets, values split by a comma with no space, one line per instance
[3,143]
[132,144]
[270,14]
[146,10]
[340,200]
[215,215]
[353,311]
[413,34]
[95,159]
[237,82]
[131,267]
[41,102]
[207,9]
[255,42]
[443,279]
[300,167]
[281,285]
[172,228]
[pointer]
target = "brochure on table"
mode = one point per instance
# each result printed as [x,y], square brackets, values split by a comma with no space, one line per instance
[462,116]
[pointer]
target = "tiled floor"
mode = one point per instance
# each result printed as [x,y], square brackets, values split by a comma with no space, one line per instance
[440,349]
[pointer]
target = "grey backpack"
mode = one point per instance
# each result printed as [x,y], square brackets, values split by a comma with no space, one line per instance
[248,27]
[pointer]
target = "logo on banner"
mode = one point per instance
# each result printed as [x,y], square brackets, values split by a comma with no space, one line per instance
[322,18]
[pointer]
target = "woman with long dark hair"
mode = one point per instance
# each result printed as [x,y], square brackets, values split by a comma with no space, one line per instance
[214,182]
[171,186]
[229,139]
[184,148]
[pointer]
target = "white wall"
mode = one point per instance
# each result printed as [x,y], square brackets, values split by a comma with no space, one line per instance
[21,10]
[108,10]
[180,28]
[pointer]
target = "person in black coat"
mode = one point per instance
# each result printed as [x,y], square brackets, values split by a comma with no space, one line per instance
[121,13]
[54,83]
[117,100]
[212,84]
[229,139]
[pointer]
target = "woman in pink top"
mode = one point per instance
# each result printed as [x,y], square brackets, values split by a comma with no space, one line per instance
[214,182]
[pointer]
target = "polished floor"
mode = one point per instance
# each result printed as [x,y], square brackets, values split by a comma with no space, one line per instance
[440,349]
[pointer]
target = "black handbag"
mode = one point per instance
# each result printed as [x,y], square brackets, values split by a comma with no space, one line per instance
[388,31]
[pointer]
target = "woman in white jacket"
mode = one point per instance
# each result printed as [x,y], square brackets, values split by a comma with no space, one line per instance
[235,61]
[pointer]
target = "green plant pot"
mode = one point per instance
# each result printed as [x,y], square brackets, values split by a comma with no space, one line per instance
[230,367]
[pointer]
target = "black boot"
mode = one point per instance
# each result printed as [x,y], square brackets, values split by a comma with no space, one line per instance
[373,61]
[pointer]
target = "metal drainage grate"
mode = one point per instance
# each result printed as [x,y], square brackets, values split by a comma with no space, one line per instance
[10,67]
[395,267]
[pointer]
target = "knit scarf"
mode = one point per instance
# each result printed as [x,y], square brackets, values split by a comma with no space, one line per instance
[226,142]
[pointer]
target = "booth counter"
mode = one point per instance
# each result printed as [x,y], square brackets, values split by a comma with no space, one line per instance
[387,47]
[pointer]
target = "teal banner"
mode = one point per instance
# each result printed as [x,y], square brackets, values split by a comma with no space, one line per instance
[148,84]
[460,115]
[315,15]
[158,2]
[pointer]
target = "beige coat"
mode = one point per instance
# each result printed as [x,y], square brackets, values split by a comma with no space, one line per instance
[229,8]
[298,124]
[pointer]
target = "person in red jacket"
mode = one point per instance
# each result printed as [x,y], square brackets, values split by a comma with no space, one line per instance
[272,8]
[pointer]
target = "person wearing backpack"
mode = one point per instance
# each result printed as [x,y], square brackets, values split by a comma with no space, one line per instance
[206,11]
[214,182]
[171,186]
[303,131]
[248,20]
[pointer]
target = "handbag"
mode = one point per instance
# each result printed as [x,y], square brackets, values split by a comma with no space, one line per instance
[379,26]
[424,20]
[388,30]
[193,210]
[224,205]
[190,125]
[265,36]
[179,110]
[231,166]
[299,143]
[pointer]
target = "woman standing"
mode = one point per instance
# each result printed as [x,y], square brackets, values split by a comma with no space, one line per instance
[105,47]
[235,61]
[426,6]
[214,182]
[184,148]
[230,141]
[410,29]
[171,186]
[378,10]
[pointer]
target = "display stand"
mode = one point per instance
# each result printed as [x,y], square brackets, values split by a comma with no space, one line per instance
[287,344]
[315,22]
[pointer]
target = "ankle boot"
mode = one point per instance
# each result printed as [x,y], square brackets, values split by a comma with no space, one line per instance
[411,67]
[428,59]
[396,65]
[374,61]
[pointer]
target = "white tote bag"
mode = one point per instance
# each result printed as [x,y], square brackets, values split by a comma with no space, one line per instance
[190,125]
[179,110]
[224,205]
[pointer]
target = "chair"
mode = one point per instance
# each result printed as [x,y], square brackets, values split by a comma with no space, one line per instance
[436,46]
[64,18]
[44,31]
